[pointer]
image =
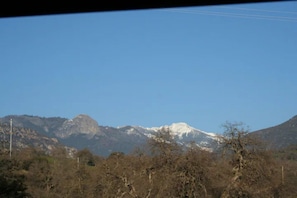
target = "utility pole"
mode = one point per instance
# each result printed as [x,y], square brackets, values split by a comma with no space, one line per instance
[3,141]
[10,140]
[283,177]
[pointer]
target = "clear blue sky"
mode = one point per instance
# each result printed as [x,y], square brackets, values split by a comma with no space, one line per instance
[199,65]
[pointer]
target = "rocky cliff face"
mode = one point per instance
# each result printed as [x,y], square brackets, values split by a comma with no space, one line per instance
[81,124]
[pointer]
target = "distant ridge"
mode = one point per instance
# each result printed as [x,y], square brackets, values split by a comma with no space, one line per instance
[280,136]
[26,137]
[42,125]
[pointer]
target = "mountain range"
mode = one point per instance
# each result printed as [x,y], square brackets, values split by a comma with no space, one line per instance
[84,132]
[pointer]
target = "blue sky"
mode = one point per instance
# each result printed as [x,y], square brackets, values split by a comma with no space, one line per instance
[199,65]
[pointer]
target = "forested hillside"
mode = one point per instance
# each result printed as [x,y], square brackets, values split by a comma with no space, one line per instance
[242,168]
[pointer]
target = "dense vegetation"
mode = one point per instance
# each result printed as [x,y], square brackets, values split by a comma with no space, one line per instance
[242,168]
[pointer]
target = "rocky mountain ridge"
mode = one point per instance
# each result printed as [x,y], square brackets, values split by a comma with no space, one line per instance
[280,136]
[84,132]
[26,137]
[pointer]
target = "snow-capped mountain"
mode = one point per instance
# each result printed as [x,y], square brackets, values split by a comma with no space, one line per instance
[183,134]
[182,129]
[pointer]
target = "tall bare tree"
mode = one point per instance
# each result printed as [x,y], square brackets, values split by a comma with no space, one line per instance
[251,165]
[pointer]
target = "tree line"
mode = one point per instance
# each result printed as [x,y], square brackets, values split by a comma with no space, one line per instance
[242,167]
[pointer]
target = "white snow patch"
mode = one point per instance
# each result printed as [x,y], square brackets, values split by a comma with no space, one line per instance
[181,128]
[131,131]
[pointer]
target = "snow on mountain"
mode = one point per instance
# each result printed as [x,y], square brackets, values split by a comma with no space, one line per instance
[131,130]
[182,129]
[181,132]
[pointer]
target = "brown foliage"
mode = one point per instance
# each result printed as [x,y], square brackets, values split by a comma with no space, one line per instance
[245,170]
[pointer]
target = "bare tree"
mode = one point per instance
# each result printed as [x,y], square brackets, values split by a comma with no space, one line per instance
[250,164]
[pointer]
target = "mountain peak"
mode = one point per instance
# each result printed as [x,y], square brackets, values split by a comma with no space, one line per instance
[81,124]
[180,127]
[83,116]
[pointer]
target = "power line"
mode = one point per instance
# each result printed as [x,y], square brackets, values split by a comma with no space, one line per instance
[258,10]
[235,15]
